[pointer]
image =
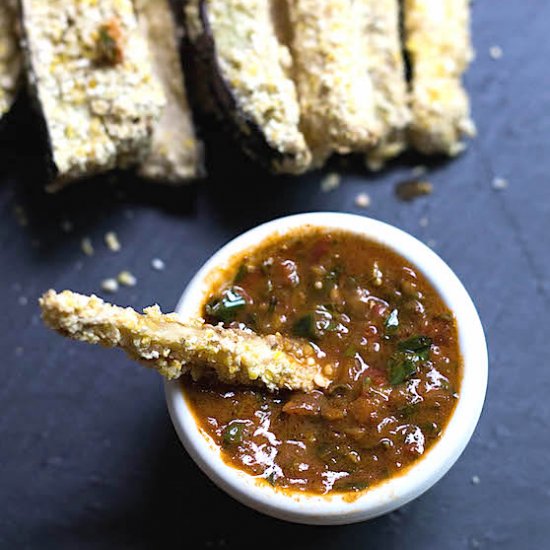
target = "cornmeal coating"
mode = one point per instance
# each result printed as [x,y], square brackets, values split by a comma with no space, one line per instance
[437,38]
[332,76]
[174,347]
[90,72]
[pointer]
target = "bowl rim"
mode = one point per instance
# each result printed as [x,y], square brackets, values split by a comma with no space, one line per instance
[398,490]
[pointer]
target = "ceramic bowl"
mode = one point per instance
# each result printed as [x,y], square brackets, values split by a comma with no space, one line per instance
[397,491]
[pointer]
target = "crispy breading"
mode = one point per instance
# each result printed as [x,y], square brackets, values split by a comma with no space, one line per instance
[255,66]
[437,38]
[334,86]
[90,71]
[176,154]
[378,21]
[174,347]
[10,58]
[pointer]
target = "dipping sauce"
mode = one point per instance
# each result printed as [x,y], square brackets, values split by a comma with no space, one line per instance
[381,332]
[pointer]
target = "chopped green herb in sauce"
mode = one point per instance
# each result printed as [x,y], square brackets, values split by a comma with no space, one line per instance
[225,309]
[233,433]
[391,323]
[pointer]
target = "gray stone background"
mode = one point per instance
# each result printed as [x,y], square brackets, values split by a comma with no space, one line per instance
[88,457]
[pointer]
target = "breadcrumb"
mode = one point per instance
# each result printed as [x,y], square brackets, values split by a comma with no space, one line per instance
[412,189]
[157,264]
[112,242]
[125,278]
[496,52]
[362,200]
[87,247]
[66,226]
[21,216]
[499,184]
[330,182]
[109,285]
[419,171]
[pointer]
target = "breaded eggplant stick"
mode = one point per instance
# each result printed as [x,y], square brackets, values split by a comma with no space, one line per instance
[175,155]
[174,347]
[332,76]
[90,73]
[378,21]
[10,58]
[437,38]
[249,66]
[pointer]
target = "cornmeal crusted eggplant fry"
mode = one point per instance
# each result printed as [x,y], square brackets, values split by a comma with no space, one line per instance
[90,72]
[332,78]
[10,58]
[437,39]
[237,42]
[176,154]
[174,347]
[378,21]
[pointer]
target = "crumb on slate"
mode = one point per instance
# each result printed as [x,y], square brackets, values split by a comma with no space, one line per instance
[21,215]
[125,278]
[362,200]
[330,182]
[424,221]
[418,171]
[66,226]
[499,184]
[86,246]
[412,189]
[109,285]
[475,480]
[496,52]
[158,264]
[112,242]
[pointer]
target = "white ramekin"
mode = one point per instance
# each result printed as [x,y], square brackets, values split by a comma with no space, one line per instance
[334,509]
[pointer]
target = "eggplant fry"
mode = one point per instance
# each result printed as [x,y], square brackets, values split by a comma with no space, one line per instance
[10,58]
[437,39]
[334,86]
[176,154]
[173,347]
[249,68]
[92,79]
[378,21]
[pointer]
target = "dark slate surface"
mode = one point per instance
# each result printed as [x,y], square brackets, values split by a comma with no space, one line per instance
[88,457]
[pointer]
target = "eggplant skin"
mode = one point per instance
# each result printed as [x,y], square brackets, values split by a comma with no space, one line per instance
[256,131]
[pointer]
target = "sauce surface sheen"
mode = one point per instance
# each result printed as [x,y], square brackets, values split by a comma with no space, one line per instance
[381,332]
